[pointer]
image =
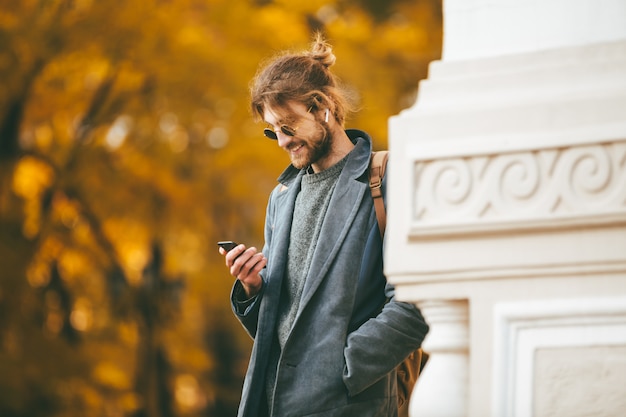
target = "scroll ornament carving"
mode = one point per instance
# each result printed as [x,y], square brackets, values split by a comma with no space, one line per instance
[548,184]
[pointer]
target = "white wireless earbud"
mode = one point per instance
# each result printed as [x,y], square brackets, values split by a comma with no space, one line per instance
[326,118]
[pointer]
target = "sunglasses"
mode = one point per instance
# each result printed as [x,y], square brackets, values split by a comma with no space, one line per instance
[285,129]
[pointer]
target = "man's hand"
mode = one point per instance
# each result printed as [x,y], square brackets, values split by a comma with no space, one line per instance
[245,265]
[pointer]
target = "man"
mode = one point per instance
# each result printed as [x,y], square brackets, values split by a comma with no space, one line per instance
[327,330]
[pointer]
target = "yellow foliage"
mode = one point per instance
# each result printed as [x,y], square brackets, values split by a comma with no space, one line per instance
[73,265]
[81,316]
[44,136]
[32,176]
[132,240]
[111,375]
[192,36]
[8,20]
[136,119]
[65,210]
[128,333]
[129,402]
[32,218]
[129,78]
[287,28]
[188,393]
[354,26]
[90,396]
[30,179]
[38,274]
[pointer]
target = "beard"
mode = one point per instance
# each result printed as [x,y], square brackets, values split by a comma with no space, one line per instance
[314,149]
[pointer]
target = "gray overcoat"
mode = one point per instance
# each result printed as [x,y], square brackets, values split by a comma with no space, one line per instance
[340,356]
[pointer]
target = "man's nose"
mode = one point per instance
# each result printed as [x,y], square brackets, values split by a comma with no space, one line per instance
[283,140]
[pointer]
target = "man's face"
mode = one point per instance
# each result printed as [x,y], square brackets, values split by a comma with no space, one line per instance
[312,140]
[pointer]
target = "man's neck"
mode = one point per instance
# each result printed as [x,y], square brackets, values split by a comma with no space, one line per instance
[340,147]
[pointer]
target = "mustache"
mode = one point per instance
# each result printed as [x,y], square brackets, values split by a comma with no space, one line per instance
[294,145]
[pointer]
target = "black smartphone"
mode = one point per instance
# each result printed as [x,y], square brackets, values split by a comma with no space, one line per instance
[227,244]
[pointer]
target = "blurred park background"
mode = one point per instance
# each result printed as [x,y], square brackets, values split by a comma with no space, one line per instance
[126,151]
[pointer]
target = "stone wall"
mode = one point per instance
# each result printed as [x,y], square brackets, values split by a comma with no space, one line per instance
[507,210]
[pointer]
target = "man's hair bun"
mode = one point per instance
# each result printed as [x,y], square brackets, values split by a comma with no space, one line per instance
[322,51]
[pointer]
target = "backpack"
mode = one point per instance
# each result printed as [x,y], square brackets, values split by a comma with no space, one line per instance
[409,369]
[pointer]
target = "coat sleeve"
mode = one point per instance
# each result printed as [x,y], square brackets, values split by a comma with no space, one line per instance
[247,310]
[381,343]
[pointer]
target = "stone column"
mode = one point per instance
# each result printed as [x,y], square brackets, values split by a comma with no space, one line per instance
[447,346]
[507,193]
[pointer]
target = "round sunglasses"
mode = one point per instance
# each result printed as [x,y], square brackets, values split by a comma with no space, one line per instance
[287,130]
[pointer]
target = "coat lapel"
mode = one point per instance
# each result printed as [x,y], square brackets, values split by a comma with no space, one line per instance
[342,211]
[285,203]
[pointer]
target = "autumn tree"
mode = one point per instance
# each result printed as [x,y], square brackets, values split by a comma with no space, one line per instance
[126,151]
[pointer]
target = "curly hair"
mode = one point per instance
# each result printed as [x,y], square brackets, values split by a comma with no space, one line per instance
[301,77]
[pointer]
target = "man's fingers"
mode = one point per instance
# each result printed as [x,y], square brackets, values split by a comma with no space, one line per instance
[259,265]
[247,264]
[253,264]
[233,254]
[237,259]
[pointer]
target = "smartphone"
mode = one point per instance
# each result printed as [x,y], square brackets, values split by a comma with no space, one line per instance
[227,244]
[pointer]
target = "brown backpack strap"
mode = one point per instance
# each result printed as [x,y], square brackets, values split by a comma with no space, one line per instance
[409,369]
[378,163]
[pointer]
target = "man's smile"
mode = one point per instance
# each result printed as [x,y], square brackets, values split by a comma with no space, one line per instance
[295,148]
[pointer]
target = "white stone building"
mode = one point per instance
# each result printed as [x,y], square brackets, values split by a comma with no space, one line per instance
[507,210]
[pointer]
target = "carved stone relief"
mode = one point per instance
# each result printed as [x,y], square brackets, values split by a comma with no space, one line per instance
[555,187]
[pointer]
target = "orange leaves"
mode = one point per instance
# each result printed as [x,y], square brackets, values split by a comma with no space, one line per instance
[31,177]
[288,27]
[136,121]
[111,375]
[30,180]
[132,242]
[188,393]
